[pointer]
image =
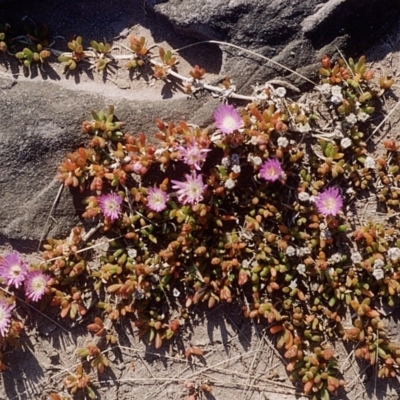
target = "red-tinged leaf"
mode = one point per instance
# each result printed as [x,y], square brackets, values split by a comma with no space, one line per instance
[64,311]
[94,327]
[308,386]
[174,325]
[276,328]
[196,351]
[289,339]
[291,352]
[188,352]
[114,288]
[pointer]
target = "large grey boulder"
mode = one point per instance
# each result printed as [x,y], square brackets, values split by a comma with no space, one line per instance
[295,33]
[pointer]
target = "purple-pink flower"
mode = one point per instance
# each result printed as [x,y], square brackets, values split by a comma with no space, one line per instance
[193,155]
[271,170]
[227,119]
[191,191]
[13,270]
[35,285]
[156,199]
[110,205]
[329,202]
[5,316]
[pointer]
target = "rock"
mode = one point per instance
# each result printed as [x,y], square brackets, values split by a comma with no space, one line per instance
[293,33]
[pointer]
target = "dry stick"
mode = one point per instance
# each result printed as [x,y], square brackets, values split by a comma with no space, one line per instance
[358,376]
[351,365]
[231,359]
[382,122]
[177,359]
[147,367]
[175,380]
[250,52]
[185,369]
[250,381]
[252,363]
[50,214]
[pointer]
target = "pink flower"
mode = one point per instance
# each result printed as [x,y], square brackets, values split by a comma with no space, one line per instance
[191,191]
[193,155]
[156,199]
[13,270]
[110,205]
[227,119]
[271,170]
[5,316]
[329,202]
[35,285]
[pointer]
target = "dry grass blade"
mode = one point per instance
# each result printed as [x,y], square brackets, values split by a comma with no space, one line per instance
[249,52]
[50,214]
[382,122]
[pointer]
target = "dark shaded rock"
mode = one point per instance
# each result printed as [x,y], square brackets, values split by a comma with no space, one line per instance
[295,33]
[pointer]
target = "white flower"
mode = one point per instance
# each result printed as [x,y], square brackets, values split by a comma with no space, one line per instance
[351,119]
[290,251]
[325,89]
[236,169]
[345,142]
[230,183]
[254,140]
[132,253]
[356,257]
[336,90]
[369,163]
[246,264]
[335,258]
[301,269]
[282,142]
[362,116]
[337,99]
[337,96]
[280,92]
[304,128]
[394,253]
[226,162]
[256,160]
[303,251]
[304,196]
[293,284]
[378,273]
[378,264]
